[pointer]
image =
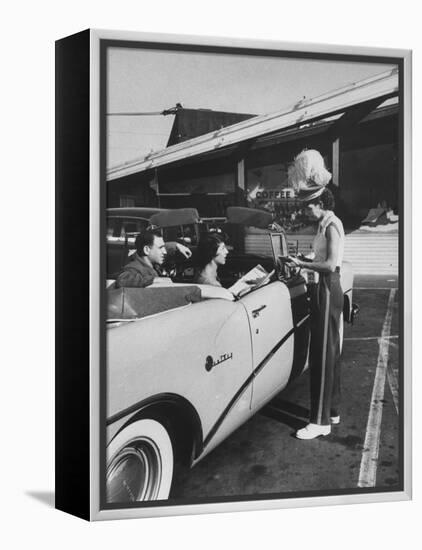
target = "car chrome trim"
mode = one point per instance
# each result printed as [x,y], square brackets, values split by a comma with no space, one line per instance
[256,312]
[140,405]
[300,323]
[226,411]
[273,351]
[244,386]
[210,363]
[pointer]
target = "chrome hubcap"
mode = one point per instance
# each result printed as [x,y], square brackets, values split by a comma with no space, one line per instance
[134,473]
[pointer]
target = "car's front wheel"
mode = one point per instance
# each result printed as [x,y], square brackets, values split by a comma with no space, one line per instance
[139,463]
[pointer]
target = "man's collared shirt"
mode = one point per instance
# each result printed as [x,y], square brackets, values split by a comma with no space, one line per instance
[137,273]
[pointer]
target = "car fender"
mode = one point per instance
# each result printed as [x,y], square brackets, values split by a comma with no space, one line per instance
[178,415]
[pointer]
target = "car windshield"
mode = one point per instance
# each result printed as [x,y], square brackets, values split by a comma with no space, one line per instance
[119,228]
[254,241]
[247,247]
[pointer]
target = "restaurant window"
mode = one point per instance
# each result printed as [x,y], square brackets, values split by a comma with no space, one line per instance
[127,200]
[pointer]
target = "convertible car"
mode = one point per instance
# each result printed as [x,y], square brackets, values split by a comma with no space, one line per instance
[184,372]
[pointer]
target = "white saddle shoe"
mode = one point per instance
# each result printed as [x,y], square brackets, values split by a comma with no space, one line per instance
[311,431]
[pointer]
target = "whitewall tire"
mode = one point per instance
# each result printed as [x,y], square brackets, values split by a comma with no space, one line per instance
[139,463]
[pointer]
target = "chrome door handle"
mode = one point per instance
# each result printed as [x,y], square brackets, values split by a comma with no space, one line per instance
[257,311]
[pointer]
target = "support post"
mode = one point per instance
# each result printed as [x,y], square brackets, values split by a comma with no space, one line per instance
[241,183]
[336,162]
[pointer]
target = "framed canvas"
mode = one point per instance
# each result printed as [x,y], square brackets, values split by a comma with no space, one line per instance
[187,332]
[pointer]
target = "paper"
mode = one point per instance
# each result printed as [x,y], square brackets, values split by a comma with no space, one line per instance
[255,278]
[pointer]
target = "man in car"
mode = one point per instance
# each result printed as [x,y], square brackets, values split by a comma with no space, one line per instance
[146,264]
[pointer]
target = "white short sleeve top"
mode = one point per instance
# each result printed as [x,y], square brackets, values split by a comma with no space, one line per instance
[320,240]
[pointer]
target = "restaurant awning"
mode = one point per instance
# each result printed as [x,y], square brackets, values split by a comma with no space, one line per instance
[370,92]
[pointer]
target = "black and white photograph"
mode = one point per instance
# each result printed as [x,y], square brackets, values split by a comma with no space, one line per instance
[210,275]
[253,257]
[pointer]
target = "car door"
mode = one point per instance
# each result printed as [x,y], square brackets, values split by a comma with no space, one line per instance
[201,352]
[271,325]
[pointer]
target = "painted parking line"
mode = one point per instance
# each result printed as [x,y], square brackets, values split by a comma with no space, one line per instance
[374,288]
[369,461]
[372,338]
[392,377]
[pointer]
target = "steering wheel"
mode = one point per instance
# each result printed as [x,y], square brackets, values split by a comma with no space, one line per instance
[183,269]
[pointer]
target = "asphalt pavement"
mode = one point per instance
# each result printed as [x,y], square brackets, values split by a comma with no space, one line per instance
[264,459]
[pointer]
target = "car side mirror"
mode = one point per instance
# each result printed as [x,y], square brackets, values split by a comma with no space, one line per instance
[354,313]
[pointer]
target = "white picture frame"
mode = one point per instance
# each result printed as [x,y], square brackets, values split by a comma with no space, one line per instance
[91,47]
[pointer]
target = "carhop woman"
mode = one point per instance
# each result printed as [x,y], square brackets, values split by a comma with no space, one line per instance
[310,177]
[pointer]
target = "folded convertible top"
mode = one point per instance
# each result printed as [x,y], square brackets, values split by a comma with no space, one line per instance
[134,303]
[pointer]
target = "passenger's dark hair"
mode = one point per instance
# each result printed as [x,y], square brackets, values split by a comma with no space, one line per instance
[207,248]
[146,238]
[326,199]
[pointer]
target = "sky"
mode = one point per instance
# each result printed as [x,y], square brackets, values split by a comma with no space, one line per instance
[149,80]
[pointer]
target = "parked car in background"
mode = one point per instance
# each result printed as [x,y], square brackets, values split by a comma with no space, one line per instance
[123,226]
[183,374]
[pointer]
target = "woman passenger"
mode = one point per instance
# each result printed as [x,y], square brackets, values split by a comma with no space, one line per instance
[210,254]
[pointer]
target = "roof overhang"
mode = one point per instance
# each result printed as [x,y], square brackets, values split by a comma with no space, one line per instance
[374,89]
